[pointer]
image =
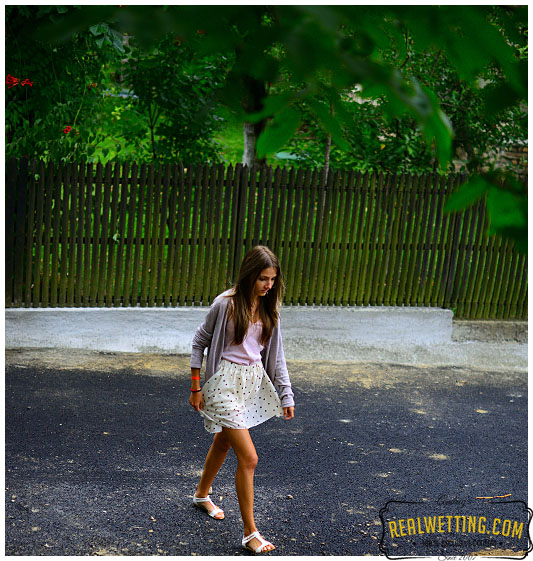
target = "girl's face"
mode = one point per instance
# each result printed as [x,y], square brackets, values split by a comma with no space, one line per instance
[265,281]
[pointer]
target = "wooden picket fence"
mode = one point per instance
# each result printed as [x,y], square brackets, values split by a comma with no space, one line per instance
[124,235]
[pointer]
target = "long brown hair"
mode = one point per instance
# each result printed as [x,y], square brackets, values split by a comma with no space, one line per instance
[258,258]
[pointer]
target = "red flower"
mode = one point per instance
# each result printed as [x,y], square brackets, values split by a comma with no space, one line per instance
[27,82]
[11,80]
[67,129]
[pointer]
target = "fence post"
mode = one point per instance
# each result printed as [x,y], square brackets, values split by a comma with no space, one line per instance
[20,212]
[241,187]
[11,182]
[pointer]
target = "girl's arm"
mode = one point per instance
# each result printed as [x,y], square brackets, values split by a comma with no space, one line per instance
[196,399]
[282,381]
[195,383]
[203,335]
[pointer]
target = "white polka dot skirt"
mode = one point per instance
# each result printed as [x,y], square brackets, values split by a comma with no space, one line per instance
[239,397]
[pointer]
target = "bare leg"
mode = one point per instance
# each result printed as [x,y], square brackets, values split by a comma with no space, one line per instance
[213,462]
[244,449]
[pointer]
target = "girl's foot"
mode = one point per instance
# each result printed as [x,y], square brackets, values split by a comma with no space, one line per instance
[208,506]
[254,543]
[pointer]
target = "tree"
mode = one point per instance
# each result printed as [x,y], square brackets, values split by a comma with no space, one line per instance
[345,40]
[380,143]
[342,39]
[175,92]
[66,91]
[98,96]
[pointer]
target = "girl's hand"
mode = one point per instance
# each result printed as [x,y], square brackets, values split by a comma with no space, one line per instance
[288,413]
[196,400]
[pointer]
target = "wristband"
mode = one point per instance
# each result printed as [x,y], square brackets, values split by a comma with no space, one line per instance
[198,390]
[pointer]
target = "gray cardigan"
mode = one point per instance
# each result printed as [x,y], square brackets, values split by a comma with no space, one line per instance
[211,335]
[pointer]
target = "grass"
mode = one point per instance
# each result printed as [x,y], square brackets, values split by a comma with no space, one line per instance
[231,139]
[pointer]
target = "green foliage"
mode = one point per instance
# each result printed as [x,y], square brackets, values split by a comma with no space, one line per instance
[279,131]
[382,138]
[478,127]
[419,65]
[373,144]
[175,93]
[161,107]
[506,200]
[231,142]
[61,95]
[105,35]
[344,40]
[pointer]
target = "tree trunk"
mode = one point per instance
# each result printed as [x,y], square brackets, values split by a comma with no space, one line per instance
[252,102]
[326,155]
[250,140]
[251,132]
[328,144]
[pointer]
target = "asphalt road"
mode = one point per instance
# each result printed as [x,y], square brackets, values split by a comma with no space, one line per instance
[103,460]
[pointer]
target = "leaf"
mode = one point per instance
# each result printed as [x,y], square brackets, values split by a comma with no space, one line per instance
[499,98]
[519,237]
[100,41]
[116,35]
[271,105]
[424,104]
[278,132]
[439,127]
[118,46]
[467,194]
[330,124]
[487,40]
[506,206]
[505,209]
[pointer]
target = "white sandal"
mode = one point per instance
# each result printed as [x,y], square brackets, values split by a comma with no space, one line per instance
[256,534]
[197,500]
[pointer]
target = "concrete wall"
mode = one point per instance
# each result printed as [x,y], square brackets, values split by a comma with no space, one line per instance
[369,334]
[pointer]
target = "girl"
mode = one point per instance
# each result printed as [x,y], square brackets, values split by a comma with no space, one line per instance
[245,366]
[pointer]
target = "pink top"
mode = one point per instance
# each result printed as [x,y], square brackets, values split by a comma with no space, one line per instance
[249,351]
